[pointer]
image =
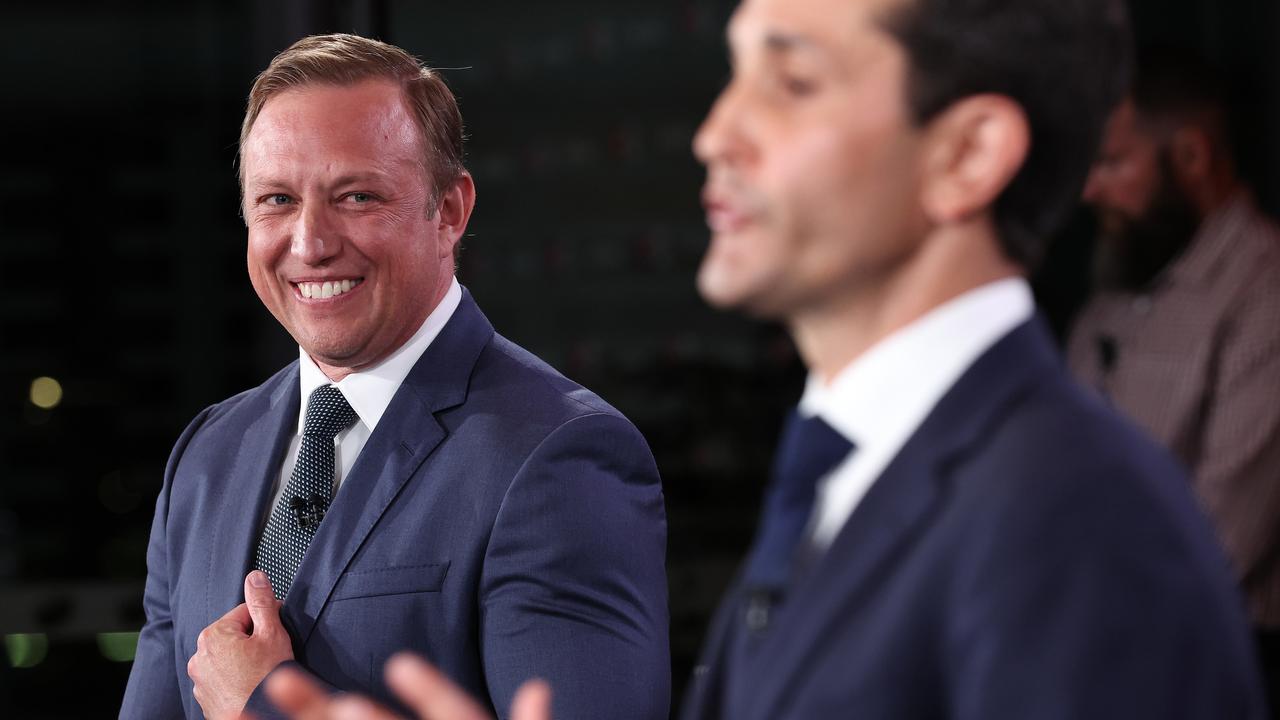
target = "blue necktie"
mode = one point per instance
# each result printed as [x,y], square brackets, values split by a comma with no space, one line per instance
[808,450]
[296,517]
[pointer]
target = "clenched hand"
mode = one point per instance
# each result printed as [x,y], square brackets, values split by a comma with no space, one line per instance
[238,650]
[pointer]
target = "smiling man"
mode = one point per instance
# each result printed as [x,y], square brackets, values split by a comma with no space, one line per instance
[413,479]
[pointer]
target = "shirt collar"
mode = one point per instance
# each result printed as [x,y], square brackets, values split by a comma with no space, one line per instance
[1214,239]
[370,390]
[884,395]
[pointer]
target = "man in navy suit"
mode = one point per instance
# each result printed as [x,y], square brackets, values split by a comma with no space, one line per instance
[494,516]
[954,530]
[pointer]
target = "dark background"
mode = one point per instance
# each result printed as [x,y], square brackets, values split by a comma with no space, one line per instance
[123,258]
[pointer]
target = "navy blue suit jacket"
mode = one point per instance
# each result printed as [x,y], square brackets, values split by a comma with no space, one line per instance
[1026,555]
[501,520]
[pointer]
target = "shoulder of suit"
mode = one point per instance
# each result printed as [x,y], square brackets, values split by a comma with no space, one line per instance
[540,382]
[252,398]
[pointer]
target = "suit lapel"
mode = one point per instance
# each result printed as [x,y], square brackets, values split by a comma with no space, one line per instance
[407,434]
[704,694]
[893,514]
[252,477]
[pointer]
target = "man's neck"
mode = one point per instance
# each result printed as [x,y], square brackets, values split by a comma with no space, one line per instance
[832,334]
[1216,195]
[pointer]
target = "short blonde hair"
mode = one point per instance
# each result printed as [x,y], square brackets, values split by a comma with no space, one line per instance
[342,59]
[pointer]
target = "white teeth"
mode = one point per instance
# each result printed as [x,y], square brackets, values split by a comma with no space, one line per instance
[327,289]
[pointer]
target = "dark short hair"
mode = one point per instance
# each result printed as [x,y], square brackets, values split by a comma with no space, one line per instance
[343,60]
[1175,87]
[1066,63]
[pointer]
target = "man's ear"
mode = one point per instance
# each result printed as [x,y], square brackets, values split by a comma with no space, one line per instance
[454,210]
[1190,150]
[972,152]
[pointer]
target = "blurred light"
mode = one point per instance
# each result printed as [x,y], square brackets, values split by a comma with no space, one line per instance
[46,393]
[26,650]
[118,646]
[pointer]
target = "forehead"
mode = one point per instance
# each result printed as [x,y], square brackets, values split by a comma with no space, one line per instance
[1124,127]
[808,26]
[368,120]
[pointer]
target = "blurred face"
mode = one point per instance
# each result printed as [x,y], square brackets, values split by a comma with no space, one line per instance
[1145,218]
[812,183]
[1126,176]
[341,248]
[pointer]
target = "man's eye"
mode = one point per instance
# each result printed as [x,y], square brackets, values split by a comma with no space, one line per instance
[361,197]
[797,87]
[278,199]
[1107,162]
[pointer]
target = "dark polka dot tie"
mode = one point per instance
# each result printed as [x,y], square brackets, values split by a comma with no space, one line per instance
[296,517]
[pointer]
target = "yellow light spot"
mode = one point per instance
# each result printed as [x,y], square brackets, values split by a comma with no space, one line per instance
[46,393]
[118,646]
[26,650]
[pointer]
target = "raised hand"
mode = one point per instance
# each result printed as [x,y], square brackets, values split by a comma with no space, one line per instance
[418,685]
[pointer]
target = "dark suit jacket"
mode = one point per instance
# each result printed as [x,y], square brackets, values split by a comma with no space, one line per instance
[1026,555]
[501,520]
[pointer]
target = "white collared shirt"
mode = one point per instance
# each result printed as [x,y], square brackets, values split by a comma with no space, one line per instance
[880,399]
[369,392]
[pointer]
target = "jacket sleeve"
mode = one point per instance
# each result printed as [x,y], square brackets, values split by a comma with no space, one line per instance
[573,588]
[153,690]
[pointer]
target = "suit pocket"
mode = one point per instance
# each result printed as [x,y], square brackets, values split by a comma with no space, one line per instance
[391,581]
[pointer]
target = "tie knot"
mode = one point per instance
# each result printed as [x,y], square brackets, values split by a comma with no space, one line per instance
[809,448]
[328,412]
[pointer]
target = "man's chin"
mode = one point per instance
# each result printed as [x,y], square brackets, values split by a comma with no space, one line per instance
[731,294]
[330,354]
[716,285]
[1113,225]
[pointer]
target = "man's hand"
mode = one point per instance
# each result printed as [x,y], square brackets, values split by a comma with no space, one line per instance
[418,685]
[238,650]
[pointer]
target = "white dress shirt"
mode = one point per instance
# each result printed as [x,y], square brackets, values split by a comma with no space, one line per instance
[369,392]
[881,398]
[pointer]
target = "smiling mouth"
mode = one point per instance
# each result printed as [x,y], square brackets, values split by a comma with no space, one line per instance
[327,289]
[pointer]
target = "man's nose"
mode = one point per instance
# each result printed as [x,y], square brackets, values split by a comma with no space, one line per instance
[315,239]
[719,136]
[1092,187]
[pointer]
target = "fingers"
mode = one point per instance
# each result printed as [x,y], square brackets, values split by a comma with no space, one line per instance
[420,686]
[532,701]
[351,707]
[428,692]
[301,699]
[234,624]
[294,693]
[263,608]
[237,617]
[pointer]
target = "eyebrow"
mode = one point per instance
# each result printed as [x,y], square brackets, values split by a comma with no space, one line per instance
[269,184]
[783,42]
[358,177]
